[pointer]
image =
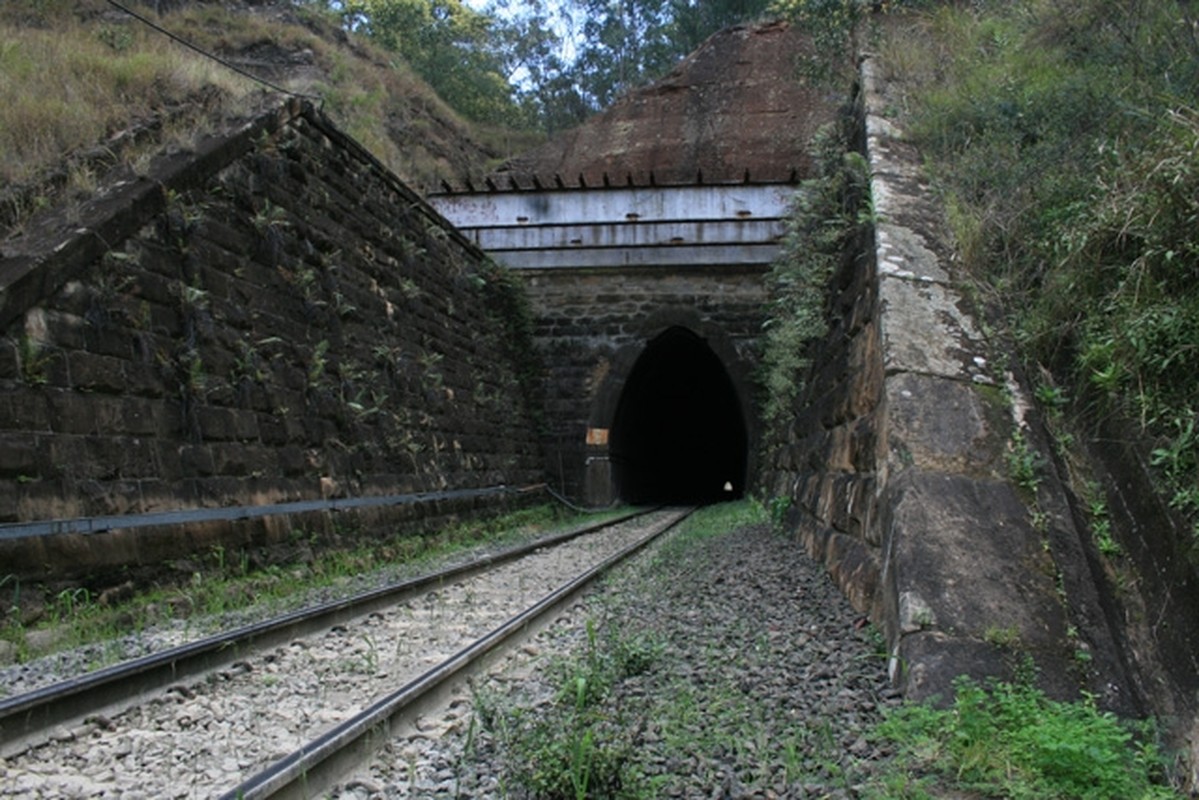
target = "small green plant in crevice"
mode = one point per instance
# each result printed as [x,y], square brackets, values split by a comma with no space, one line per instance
[317,363]
[12,628]
[1054,401]
[777,508]
[1006,637]
[1010,740]
[1052,398]
[1080,651]
[1101,523]
[34,359]
[370,656]
[270,216]
[430,376]
[1024,463]
[70,602]
[1178,460]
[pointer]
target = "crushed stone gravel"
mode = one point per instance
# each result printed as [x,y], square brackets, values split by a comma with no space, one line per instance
[763,682]
[203,737]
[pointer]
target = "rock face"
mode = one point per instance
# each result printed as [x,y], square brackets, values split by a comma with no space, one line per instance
[272,318]
[733,108]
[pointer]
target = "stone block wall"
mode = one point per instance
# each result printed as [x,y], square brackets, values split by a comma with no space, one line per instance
[827,465]
[272,317]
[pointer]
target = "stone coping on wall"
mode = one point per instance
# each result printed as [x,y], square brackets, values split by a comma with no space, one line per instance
[973,563]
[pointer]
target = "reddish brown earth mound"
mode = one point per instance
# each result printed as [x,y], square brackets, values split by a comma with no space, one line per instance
[736,104]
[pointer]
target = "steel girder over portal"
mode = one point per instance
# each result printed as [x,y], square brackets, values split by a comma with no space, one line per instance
[667,226]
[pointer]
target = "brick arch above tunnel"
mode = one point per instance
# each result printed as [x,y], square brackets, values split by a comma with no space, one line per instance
[681,395]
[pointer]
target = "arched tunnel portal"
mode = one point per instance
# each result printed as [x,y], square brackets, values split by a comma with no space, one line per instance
[679,433]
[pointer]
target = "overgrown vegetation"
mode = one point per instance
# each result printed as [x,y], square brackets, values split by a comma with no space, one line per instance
[1065,138]
[531,64]
[825,216]
[224,582]
[509,306]
[87,87]
[72,82]
[1000,740]
[1009,740]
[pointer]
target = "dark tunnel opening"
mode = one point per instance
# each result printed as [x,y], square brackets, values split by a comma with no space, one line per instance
[678,435]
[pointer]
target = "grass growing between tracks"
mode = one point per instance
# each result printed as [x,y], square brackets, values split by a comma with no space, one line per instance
[625,721]
[646,707]
[225,589]
[579,748]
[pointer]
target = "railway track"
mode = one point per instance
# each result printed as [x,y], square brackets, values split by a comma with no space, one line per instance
[282,708]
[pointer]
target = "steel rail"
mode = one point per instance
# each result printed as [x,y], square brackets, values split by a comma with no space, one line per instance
[319,764]
[27,718]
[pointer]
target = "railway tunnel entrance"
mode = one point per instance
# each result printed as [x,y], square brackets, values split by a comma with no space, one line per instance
[646,303]
[678,435]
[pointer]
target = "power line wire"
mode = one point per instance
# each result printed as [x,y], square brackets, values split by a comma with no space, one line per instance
[208,55]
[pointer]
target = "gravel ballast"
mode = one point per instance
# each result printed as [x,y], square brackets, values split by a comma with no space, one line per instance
[202,738]
[725,664]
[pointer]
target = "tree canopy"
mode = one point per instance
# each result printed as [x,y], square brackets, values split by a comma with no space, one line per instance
[529,64]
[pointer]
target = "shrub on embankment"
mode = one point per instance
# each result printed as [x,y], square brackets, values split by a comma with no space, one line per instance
[87,86]
[1065,138]
[825,227]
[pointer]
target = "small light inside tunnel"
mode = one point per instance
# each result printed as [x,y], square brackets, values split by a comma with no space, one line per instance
[728,486]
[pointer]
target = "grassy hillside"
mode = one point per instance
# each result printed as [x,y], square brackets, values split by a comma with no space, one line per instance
[1065,139]
[86,86]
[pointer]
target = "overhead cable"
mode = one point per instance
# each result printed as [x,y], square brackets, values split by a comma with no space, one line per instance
[224,63]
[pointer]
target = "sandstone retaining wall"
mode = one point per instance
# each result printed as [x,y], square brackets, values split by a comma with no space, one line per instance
[917,472]
[271,317]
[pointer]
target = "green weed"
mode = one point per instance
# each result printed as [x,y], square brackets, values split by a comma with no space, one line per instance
[574,749]
[1010,740]
[34,360]
[1024,463]
[1101,524]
